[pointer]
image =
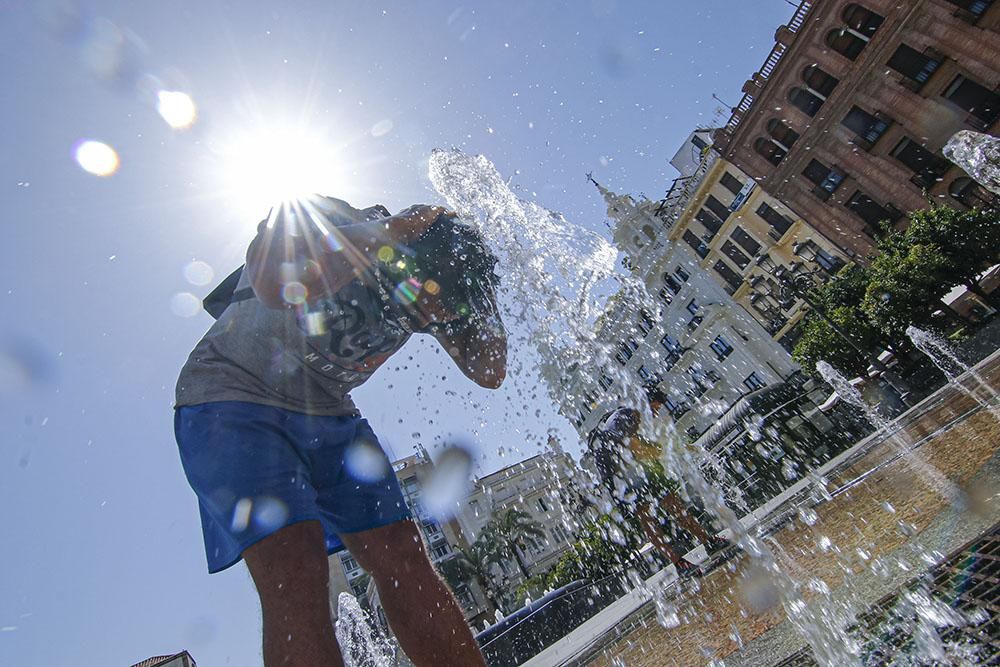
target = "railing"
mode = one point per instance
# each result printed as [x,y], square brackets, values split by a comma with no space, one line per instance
[794,24]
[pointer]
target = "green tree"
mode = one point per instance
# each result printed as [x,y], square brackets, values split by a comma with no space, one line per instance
[969,241]
[470,564]
[841,299]
[906,283]
[508,534]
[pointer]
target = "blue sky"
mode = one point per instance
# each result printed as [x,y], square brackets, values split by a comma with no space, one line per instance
[102,557]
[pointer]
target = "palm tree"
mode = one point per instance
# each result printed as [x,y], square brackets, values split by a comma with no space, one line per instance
[471,564]
[508,533]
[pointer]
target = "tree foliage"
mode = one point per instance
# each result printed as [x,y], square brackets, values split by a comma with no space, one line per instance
[910,272]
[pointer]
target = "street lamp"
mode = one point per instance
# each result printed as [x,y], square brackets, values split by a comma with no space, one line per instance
[797,284]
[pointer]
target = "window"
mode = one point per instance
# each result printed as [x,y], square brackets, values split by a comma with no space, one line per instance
[753,382]
[605,381]
[464,597]
[667,297]
[693,307]
[676,409]
[868,210]
[846,43]
[971,194]
[869,128]
[927,167]
[703,380]
[861,20]
[696,243]
[827,180]
[730,250]
[681,274]
[806,101]
[711,222]
[828,262]
[674,351]
[914,65]
[771,151]
[780,223]
[975,7]
[440,551]
[721,347]
[699,143]
[350,565]
[559,534]
[819,82]
[782,135]
[717,207]
[626,349]
[672,283]
[748,242]
[541,505]
[982,103]
[731,183]
[359,587]
[646,376]
[732,278]
[645,323]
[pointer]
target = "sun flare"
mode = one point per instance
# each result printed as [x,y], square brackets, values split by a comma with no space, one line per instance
[272,165]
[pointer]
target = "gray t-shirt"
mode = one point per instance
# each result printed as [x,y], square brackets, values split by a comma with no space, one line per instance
[287,359]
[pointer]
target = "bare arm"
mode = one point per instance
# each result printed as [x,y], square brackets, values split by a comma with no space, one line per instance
[480,353]
[322,257]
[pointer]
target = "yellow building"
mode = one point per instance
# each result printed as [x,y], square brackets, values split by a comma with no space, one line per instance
[739,231]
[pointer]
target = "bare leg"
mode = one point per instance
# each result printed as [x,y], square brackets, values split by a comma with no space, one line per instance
[290,571]
[651,528]
[678,511]
[421,610]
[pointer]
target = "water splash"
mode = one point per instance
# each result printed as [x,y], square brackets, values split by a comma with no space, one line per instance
[953,368]
[554,272]
[930,475]
[978,155]
[361,644]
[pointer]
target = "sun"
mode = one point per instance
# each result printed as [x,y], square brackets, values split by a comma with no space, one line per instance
[269,165]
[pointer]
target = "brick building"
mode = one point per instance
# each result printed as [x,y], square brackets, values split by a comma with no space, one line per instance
[846,119]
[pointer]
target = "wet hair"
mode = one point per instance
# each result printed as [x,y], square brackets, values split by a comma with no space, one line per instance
[654,394]
[452,254]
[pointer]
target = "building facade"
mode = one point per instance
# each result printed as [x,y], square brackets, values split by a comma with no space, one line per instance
[685,333]
[846,119]
[733,225]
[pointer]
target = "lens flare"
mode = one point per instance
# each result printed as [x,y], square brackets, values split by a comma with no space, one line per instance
[97,158]
[177,108]
[268,165]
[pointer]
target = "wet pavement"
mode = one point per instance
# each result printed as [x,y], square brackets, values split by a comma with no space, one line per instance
[868,541]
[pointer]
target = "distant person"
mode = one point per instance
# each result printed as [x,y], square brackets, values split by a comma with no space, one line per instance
[285,468]
[629,468]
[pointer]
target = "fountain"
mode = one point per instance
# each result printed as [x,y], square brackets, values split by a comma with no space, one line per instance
[938,351]
[361,644]
[552,273]
[930,475]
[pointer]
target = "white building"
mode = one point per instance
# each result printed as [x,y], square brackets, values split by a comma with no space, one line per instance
[691,338]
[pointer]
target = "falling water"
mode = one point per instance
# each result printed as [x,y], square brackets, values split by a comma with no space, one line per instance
[360,642]
[552,272]
[931,476]
[953,368]
[978,155]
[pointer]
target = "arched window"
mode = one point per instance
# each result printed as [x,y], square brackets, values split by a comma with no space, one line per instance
[781,134]
[771,151]
[808,102]
[845,42]
[819,81]
[862,20]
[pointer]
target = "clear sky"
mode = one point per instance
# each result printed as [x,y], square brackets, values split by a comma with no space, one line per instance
[102,558]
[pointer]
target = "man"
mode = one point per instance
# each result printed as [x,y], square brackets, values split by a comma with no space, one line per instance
[285,469]
[630,470]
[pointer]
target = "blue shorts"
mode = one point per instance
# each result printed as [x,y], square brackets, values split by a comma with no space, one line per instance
[256,469]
